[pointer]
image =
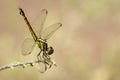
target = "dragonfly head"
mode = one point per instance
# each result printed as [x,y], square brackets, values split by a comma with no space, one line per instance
[50,50]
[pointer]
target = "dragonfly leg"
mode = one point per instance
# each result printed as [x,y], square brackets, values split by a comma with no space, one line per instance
[39,56]
[47,59]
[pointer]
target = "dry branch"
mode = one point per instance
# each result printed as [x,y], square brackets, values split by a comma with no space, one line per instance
[18,64]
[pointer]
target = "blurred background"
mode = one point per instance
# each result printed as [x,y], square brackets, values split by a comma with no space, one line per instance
[87,47]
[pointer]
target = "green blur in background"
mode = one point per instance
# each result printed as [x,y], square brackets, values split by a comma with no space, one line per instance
[87,47]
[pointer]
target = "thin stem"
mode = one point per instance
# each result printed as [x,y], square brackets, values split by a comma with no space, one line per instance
[18,64]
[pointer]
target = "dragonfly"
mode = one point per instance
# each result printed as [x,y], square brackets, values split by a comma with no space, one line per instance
[39,38]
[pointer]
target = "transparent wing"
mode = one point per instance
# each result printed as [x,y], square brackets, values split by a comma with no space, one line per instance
[39,22]
[28,46]
[48,32]
[42,67]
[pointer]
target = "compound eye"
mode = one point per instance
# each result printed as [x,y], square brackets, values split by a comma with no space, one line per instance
[50,50]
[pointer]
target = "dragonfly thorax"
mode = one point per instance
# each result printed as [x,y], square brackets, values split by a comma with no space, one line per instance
[42,44]
[42,40]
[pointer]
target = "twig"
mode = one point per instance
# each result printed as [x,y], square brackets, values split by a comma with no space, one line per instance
[17,64]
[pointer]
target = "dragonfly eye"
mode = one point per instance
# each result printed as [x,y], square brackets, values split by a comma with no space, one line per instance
[50,50]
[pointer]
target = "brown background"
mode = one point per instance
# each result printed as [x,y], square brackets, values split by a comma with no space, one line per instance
[87,47]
